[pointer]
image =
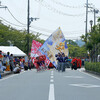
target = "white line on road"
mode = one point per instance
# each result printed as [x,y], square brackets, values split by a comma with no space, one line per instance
[86,85]
[51,80]
[51,72]
[90,75]
[73,76]
[51,76]
[51,92]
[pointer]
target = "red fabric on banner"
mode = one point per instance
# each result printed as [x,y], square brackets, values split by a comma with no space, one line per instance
[34,51]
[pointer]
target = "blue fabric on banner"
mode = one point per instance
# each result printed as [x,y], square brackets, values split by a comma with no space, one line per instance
[50,44]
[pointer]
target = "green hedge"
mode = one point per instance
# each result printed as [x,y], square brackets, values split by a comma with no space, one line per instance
[92,66]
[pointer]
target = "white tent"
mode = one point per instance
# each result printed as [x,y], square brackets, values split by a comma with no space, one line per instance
[13,50]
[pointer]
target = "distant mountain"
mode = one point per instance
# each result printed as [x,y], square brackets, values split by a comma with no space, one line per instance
[80,42]
[71,42]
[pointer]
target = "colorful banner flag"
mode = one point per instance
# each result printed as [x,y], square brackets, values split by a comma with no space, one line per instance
[34,51]
[54,44]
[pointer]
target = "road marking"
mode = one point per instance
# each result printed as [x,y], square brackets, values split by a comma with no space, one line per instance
[86,85]
[51,80]
[90,75]
[73,76]
[51,92]
[51,72]
[52,77]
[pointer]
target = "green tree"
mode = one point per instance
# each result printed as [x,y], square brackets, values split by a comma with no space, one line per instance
[11,36]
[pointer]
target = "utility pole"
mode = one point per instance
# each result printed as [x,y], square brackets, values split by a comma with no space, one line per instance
[2,6]
[28,27]
[86,17]
[95,12]
[94,17]
[29,20]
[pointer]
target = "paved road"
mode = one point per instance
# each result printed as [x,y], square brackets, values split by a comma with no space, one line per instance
[50,85]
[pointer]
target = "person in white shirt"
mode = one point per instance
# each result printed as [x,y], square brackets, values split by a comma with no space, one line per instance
[2,68]
[17,69]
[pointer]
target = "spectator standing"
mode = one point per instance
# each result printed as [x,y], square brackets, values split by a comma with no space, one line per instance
[12,66]
[7,62]
[4,60]
[1,56]
[29,63]
[22,63]
[26,63]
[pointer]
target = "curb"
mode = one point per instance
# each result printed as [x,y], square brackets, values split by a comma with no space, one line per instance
[92,72]
[6,74]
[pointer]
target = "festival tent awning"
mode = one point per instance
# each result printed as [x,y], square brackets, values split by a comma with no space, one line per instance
[13,50]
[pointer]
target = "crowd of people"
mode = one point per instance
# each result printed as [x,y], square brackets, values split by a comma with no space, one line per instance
[63,62]
[15,64]
[10,63]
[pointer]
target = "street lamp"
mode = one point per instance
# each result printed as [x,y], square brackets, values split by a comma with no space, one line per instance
[91,23]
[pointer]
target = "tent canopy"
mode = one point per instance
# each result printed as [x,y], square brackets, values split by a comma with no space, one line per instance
[13,50]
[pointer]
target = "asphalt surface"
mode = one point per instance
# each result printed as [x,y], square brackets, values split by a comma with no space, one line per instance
[50,85]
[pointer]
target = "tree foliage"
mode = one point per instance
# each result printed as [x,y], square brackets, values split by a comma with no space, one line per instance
[92,38]
[11,36]
[71,42]
[76,51]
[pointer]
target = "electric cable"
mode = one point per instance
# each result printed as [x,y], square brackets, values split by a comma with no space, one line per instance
[11,23]
[49,7]
[68,6]
[15,17]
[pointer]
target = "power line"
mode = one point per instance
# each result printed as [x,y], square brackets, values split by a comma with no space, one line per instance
[38,32]
[49,7]
[39,28]
[65,36]
[24,24]
[68,6]
[2,6]
[14,17]
[11,23]
[47,30]
[63,32]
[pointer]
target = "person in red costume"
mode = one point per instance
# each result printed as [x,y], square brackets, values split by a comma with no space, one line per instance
[74,64]
[42,62]
[51,65]
[37,63]
[79,63]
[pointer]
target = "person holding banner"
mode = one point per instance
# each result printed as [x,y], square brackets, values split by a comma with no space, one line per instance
[37,63]
[59,58]
[63,64]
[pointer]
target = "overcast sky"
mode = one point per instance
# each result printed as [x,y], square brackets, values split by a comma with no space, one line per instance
[67,14]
